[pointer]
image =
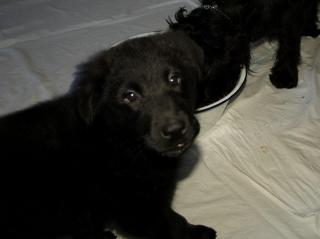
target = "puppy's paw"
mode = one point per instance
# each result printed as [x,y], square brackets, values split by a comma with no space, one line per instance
[284,77]
[109,235]
[202,232]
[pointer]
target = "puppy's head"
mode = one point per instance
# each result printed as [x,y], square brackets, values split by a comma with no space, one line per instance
[144,88]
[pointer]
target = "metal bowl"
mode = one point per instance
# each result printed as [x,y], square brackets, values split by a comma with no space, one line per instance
[209,115]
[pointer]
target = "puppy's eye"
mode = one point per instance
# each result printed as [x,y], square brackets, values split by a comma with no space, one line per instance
[174,79]
[130,96]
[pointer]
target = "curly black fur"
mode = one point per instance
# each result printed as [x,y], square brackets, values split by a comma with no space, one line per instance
[225,28]
[106,154]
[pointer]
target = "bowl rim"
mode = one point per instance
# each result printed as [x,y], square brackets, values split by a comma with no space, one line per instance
[236,89]
[139,35]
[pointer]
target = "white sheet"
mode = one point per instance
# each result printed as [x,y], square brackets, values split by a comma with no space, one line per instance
[258,170]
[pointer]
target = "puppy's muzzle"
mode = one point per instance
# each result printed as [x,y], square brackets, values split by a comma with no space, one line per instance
[178,135]
[174,129]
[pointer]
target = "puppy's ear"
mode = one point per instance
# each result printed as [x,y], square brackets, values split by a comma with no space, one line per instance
[88,85]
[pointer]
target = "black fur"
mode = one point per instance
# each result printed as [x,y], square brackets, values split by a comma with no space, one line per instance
[106,154]
[226,28]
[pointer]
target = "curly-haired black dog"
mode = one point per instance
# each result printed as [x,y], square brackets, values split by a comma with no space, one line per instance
[225,28]
[106,154]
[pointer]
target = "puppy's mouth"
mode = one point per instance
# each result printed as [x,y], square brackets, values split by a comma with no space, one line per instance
[177,150]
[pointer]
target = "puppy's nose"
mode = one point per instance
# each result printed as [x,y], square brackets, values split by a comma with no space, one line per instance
[174,128]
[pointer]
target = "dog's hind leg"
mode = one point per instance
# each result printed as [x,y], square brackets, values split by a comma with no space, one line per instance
[295,23]
[284,73]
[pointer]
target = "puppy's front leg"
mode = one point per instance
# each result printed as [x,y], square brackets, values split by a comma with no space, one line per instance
[180,228]
[164,224]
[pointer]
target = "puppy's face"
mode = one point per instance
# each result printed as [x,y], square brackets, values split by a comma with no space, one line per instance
[147,88]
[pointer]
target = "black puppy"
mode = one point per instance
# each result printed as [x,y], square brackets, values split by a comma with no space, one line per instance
[225,28]
[106,154]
